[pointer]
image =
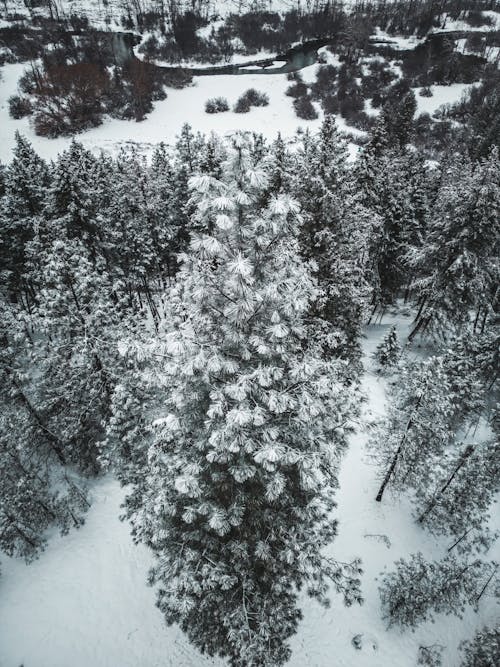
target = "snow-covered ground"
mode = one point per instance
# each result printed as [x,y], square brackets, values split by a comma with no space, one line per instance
[441,95]
[446,24]
[400,42]
[235,58]
[85,603]
[165,121]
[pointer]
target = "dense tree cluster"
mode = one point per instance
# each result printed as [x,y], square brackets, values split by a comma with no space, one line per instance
[194,322]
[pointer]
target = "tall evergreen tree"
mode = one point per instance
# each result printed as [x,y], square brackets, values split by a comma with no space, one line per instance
[236,502]
[396,187]
[76,317]
[388,351]
[461,490]
[483,650]
[189,149]
[26,181]
[334,235]
[418,588]
[457,265]
[37,489]
[429,403]
[417,427]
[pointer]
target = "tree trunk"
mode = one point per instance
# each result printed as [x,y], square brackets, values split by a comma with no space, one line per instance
[372,313]
[55,443]
[394,461]
[486,584]
[463,459]
[459,540]
[422,323]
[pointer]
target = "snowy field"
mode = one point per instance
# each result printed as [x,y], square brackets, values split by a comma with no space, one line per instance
[165,121]
[188,106]
[85,602]
[441,95]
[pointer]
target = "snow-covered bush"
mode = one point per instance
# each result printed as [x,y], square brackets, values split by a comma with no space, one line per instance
[256,98]
[251,98]
[216,105]
[298,89]
[304,108]
[242,105]
[19,107]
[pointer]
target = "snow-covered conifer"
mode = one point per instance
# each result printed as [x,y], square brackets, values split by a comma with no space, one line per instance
[26,181]
[429,402]
[388,351]
[335,235]
[189,148]
[460,491]
[430,656]
[418,589]
[417,427]
[483,650]
[281,169]
[37,490]
[77,312]
[457,265]
[236,500]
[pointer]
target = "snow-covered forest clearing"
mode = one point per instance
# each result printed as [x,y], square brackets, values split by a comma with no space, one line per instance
[249,334]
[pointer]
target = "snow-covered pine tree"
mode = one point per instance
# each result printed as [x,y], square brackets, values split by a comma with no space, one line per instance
[334,235]
[388,351]
[77,314]
[395,186]
[430,402]
[128,432]
[189,148]
[460,490]
[418,589]
[417,427]
[457,265]
[370,163]
[237,498]
[483,650]
[472,361]
[134,249]
[398,115]
[77,198]
[26,180]
[280,167]
[37,490]
[168,237]
[430,656]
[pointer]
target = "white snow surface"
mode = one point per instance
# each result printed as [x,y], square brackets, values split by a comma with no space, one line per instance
[85,602]
[441,95]
[401,42]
